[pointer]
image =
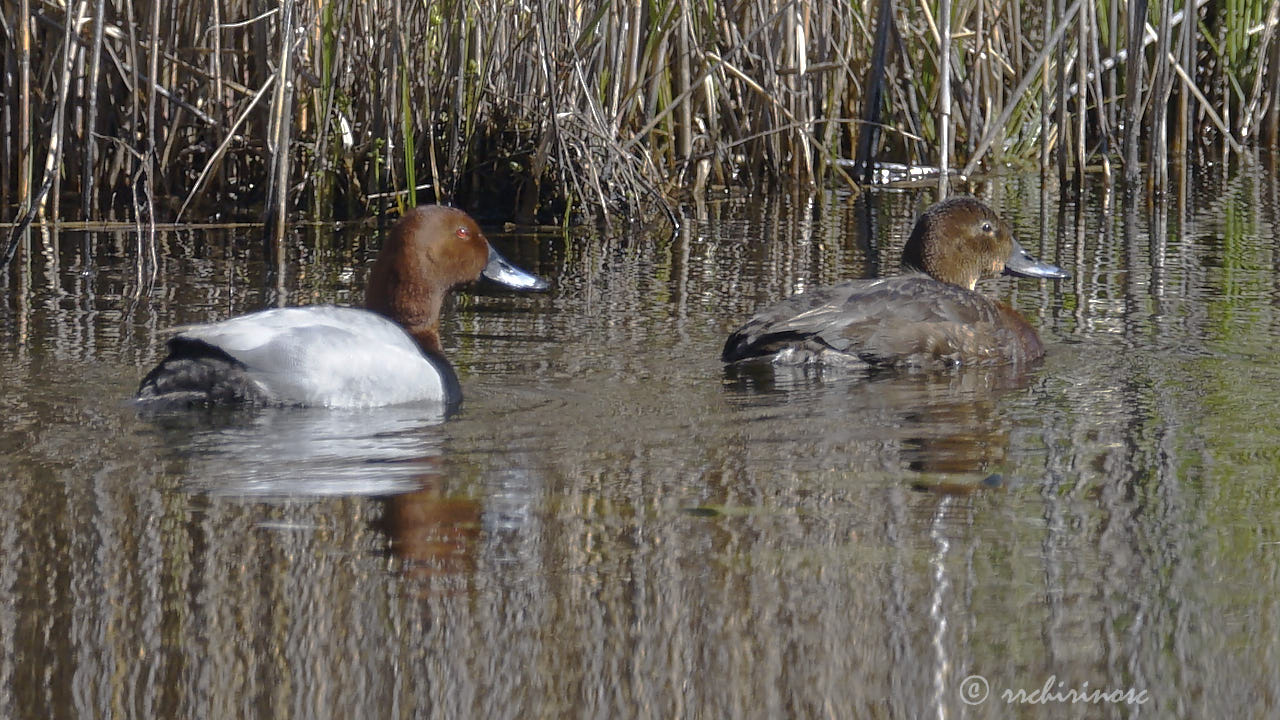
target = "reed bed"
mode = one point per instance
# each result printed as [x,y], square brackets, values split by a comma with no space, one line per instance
[550,111]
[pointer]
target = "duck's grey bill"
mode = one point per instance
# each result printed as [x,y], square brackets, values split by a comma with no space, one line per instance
[1021,263]
[500,270]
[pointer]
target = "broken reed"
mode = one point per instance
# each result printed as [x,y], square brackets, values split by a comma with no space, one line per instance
[141,111]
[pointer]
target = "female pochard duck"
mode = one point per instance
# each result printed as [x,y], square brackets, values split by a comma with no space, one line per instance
[930,315]
[331,356]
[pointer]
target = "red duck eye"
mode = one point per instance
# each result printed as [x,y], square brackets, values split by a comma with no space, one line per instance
[462,233]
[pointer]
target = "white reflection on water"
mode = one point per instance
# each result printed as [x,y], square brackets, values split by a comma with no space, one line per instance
[289,452]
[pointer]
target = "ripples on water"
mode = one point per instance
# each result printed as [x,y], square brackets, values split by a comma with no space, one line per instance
[615,525]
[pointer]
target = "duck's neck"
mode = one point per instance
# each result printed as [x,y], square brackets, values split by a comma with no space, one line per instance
[415,305]
[428,339]
[917,258]
[966,281]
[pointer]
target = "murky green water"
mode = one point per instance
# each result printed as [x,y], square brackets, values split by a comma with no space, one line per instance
[615,527]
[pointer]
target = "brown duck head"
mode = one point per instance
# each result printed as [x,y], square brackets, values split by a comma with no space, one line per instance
[960,241]
[429,252]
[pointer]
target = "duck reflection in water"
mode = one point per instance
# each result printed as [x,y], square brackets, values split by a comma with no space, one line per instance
[943,426]
[435,535]
[394,456]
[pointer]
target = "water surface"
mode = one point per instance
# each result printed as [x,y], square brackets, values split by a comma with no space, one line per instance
[615,526]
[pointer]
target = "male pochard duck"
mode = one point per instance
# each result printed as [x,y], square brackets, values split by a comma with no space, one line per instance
[930,315]
[385,354]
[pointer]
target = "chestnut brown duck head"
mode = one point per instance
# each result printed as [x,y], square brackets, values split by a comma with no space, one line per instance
[961,241]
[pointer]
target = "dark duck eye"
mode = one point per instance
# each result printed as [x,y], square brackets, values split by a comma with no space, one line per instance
[986,226]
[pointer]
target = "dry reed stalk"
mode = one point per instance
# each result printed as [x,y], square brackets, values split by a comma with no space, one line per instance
[24,110]
[144,206]
[7,137]
[88,203]
[128,154]
[406,125]
[944,97]
[1043,68]
[1060,103]
[1162,87]
[1182,130]
[1112,77]
[1103,121]
[1133,100]
[1081,98]
[281,132]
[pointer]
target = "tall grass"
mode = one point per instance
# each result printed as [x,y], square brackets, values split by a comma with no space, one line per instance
[544,110]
